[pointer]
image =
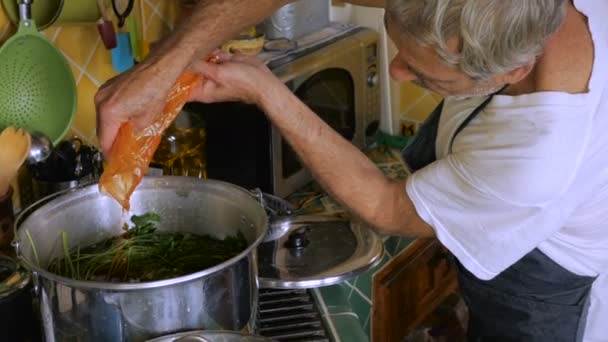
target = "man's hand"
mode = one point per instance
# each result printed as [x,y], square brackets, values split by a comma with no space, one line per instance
[234,78]
[140,94]
[137,95]
[342,170]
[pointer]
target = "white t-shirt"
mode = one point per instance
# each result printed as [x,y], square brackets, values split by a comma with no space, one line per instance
[530,171]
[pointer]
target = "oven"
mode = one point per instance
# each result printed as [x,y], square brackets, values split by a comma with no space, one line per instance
[335,75]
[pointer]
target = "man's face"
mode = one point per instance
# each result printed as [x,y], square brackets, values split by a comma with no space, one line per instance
[424,67]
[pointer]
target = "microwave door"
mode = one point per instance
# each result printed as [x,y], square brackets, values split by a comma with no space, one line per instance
[330,93]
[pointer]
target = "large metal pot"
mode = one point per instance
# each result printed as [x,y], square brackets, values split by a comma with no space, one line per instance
[210,336]
[220,298]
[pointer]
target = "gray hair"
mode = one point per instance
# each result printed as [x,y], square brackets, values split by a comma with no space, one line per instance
[496,36]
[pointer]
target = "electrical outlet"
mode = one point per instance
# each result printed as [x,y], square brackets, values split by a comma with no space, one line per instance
[407,128]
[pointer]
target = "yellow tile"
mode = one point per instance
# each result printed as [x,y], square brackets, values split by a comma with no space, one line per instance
[437,96]
[77,41]
[6,31]
[100,66]
[156,29]
[155,3]
[85,114]
[422,109]
[6,28]
[409,94]
[50,32]
[168,11]
[148,12]
[3,17]
[75,71]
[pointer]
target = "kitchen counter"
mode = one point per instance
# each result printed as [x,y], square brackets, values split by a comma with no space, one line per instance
[347,306]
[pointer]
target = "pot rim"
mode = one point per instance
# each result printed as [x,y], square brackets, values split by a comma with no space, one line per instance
[251,249]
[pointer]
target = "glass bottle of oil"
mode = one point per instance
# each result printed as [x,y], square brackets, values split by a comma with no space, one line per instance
[182,150]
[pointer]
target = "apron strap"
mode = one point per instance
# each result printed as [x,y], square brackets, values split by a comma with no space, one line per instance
[420,151]
[474,114]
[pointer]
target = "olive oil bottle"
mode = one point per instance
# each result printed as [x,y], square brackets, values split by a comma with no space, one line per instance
[182,150]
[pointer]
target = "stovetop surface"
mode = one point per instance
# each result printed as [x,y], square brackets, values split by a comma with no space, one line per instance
[290,316]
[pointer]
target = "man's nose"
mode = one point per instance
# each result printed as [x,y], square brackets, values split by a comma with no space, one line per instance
[400,72]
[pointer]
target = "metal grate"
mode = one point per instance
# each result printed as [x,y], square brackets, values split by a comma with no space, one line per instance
[290,316]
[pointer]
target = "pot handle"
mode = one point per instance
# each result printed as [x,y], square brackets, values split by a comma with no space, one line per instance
[266,202]
[122,16]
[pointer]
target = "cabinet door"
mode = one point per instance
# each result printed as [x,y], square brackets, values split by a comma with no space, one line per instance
[409,288]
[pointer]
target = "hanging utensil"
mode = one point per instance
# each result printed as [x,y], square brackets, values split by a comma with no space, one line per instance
[38,88]
[122,15]
[41,148]
[14,148]
[122,55]
[106,27]
[133,24]
[45,13]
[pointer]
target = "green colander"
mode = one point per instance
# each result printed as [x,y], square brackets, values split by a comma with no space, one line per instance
[37,88]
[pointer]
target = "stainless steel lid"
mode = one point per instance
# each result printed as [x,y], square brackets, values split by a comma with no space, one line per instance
[310,251]
[13,277]
[210,336]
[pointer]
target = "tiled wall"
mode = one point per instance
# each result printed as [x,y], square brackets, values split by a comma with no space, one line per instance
[349,304]
[411,106]
[90,61]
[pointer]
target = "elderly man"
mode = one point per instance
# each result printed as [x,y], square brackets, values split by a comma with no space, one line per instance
[511,170]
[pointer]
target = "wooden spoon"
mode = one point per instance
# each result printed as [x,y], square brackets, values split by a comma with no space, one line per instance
[14,149]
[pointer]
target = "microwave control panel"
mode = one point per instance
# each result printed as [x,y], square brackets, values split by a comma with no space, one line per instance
[372,101]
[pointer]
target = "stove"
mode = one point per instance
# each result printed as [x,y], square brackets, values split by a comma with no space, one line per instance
[290,316]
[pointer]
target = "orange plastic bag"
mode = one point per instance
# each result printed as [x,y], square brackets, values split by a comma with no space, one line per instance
[132,152]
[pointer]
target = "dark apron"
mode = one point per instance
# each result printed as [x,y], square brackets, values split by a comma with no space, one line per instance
[533,300]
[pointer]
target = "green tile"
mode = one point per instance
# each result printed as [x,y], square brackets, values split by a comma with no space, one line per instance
[333,291]
[402,245]
[367,326]
[384,261]
[364,284]
[391,244]
[336,298]
[349,329]
[360,306]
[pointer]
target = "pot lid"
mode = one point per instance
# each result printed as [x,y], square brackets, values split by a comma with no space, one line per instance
[310,251]
[13,277]
[210,336]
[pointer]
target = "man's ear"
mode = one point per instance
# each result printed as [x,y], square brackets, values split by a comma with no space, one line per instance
[516,74]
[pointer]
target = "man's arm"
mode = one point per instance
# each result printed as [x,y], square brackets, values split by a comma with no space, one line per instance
[343,170]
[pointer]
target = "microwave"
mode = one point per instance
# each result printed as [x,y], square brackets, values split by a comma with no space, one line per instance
[338,80]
